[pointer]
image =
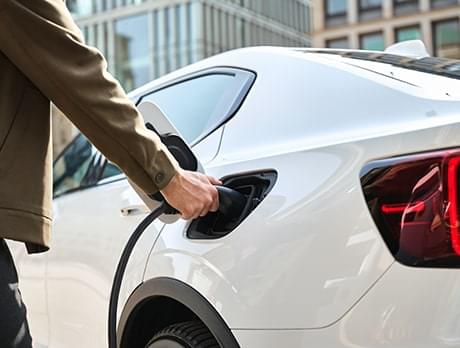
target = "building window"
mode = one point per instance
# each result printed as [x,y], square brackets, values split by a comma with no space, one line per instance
[335,12]
[372,41]
[402,7]
[408,33]
[171,42]
[156,44]
[95,36]
[443,3]
[132,55]
[189,31]
[80,8]
[338,43]
[179,26]
[370,9]
[308,24]
[446,38]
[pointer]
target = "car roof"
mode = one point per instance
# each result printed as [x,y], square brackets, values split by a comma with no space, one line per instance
[419,72]
[432,65]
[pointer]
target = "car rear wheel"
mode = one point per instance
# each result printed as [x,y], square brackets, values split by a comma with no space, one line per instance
[190,334]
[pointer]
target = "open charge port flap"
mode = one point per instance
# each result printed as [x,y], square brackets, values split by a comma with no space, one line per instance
[255,186]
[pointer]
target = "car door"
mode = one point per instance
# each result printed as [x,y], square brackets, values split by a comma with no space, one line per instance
[93,224]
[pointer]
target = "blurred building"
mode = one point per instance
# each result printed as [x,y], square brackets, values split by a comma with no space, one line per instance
[376,24]
[144,39]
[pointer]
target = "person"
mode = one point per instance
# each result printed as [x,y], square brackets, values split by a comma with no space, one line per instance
[43,58]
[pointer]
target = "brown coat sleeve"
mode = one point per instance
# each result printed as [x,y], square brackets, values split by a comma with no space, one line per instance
[42,40]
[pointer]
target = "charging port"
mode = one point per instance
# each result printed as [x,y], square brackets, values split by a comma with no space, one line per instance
[254,186]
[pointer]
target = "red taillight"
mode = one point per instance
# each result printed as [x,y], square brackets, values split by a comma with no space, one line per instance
[452,201]
[414,203]
[400,208]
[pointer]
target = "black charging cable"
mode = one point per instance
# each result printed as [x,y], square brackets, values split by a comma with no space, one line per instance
[121,267]
[231,204]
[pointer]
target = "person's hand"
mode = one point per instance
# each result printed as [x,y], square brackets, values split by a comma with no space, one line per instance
[192,194]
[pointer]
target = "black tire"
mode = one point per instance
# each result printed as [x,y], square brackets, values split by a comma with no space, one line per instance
[190,334]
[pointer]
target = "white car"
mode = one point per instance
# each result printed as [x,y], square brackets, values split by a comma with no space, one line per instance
[351,237]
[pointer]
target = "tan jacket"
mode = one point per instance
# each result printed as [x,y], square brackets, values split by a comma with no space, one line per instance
[42,58]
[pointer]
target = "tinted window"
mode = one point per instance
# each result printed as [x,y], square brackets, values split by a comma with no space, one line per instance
[198,105]
[110,170]
[71,168]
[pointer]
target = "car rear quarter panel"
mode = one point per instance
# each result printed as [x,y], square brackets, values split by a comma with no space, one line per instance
[310,252]
[407,308]
[300,260]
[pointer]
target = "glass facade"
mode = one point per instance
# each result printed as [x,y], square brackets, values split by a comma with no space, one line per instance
[446,38]
[408,33]
[372,41]
[132,54]
[291,13]
[82,8]
[144,39]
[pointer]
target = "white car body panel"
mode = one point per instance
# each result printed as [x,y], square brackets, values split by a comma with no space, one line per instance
[80,273]
[308,267]
[404,309]
[262,286]
[276,247]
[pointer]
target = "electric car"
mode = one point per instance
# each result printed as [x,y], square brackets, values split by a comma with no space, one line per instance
[349,161]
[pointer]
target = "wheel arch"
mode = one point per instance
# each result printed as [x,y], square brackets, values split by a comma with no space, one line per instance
[177,301]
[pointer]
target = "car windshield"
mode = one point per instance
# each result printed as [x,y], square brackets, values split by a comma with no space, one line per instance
[432,65]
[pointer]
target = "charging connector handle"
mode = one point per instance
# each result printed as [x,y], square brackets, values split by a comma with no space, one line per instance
[231,202]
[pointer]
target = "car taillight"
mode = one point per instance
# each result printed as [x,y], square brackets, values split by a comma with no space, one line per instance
[414,201]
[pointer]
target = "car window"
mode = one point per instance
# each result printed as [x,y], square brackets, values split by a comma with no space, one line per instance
[110,170]
[199,104]
[71,169]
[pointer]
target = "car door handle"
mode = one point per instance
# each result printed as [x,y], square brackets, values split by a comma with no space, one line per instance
[134,210]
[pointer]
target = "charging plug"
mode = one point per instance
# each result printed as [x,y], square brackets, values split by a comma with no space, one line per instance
[231,202]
